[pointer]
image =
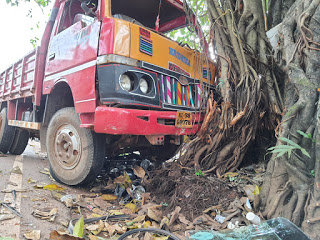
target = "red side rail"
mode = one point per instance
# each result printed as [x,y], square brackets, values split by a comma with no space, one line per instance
[18,80]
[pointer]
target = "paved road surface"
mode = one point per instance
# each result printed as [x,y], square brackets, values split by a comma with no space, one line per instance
[30,164]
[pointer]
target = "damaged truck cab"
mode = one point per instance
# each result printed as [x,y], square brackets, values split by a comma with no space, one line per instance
[104,80]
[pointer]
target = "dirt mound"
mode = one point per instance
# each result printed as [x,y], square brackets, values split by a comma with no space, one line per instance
[175,186]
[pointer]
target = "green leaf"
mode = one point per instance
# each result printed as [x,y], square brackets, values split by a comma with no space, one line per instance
[282,150]
[283,147]
[280,154]
[78,228]
[267,5]
[283,139]
[305,152]
[304,134]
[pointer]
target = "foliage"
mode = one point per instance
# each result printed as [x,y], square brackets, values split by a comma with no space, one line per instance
[309,135]
[79,228]
[188,35]
[199,173]
[283,149]
[41,3]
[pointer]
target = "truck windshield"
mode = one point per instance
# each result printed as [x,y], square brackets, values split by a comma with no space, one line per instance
[145,12]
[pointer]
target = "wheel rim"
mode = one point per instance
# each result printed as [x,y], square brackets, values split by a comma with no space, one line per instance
[67,147]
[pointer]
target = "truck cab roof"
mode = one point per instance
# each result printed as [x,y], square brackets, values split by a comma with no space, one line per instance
[171,12]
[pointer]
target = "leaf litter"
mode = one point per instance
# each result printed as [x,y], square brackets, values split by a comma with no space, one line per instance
[170,198]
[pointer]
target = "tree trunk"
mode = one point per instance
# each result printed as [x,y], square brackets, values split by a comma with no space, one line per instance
[290,190]
[255,94]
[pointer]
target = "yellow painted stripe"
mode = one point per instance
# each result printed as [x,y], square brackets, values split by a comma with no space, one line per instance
[23,124]
[179,94]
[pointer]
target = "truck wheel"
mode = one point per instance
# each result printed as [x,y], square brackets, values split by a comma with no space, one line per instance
[6,132]
[76,155]
[20,142]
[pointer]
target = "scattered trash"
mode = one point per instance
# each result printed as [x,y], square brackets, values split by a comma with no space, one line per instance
[67,200]
[33,235]
[11,209]
[279,228]
[16,189]
[137,192]
[220,219]
[254,219]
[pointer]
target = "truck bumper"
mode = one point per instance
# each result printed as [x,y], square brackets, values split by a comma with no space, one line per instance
[121,121]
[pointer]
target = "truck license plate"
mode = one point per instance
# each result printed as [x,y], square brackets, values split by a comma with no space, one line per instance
[183,120]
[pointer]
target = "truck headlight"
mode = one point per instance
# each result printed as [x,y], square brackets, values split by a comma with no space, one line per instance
[144,85]
[126,82]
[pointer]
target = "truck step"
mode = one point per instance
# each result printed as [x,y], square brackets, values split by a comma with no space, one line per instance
[24,124]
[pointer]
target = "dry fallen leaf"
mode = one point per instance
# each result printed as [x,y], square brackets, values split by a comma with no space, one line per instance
[154,213]
[54,235]
[32,235]
[110,228]
[248,189]
[53,187]
[6,217]
[174,215]
[109,197]
[164,221]
[16,170]
[48,215]
[183,219]
[139,171]
[31,181]
[132,207]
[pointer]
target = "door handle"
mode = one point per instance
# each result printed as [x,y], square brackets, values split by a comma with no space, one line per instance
[52,56]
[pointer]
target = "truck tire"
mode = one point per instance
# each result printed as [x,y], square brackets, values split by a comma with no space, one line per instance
[76,155]
[6,132]
[20,142]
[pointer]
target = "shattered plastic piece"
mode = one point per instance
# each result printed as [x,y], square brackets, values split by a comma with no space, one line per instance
[254,219]
[233,226]
[145,164]
[248,205]
[67,200]
[137,192]
[220,219]
[33,235]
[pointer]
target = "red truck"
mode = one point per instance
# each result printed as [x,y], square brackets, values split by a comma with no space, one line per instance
[104,80]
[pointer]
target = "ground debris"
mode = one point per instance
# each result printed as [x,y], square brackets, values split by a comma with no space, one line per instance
[46,214]
[32,235]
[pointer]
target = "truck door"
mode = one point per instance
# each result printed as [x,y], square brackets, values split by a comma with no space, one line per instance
[72,54]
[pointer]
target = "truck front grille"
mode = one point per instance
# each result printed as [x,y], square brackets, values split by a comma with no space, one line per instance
[175,94]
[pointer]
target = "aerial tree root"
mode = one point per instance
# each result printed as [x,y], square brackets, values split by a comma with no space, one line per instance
[246,84]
